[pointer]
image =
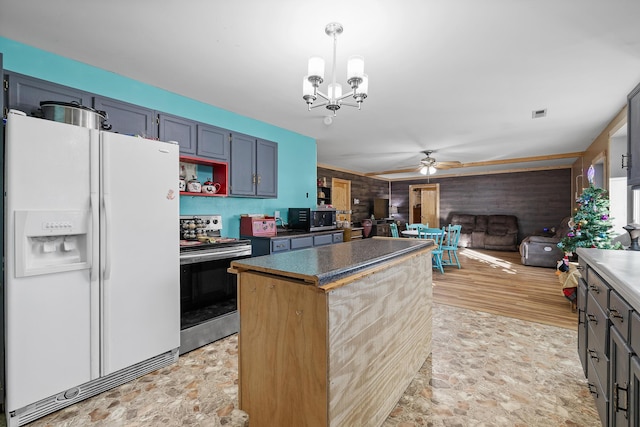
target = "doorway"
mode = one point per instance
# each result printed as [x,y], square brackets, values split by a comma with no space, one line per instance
[424,204]
[341,198]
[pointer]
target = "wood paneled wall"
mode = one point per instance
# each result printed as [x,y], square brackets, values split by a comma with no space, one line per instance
[539,198]
[364,188]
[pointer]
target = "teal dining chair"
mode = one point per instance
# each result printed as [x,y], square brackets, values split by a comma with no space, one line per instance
[437,235]
[394,229]
[416,226]
[450,245]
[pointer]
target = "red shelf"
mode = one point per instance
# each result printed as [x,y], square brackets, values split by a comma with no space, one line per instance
[219,174]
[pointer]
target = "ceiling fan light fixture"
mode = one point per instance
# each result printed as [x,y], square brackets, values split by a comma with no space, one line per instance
[334,99]
[424,170]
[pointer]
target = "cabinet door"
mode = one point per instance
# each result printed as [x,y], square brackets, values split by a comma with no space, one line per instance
[620,356]
[582,324]
[213,143]
[25,94]
[177,129]
[633,139]
[267,168]
[243,165]
[634,394]
[127,119]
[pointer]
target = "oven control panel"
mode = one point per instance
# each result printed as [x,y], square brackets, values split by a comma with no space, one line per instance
[192,226]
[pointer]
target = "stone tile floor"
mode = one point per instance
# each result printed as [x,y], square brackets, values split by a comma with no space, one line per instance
[485,370]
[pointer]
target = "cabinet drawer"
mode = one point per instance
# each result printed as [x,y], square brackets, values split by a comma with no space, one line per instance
[598,360]
[279,245]
[338,237]
[599,395]
[635,332]
[301,242]
[619,314]
[325,239]
[598,321]
[598,288]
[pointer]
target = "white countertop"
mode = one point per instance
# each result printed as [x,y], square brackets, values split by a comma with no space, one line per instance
[621,269]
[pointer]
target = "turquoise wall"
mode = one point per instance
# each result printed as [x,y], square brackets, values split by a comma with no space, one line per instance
[296,153]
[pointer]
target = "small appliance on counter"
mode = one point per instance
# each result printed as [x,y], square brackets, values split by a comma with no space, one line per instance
[312,219]
[258,226]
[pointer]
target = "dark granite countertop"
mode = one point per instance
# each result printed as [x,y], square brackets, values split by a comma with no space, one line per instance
[621,269]
[325,264]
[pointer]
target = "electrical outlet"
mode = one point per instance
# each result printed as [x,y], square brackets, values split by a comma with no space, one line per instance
[276,214]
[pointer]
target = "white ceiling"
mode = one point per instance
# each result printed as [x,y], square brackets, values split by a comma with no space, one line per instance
[460,77]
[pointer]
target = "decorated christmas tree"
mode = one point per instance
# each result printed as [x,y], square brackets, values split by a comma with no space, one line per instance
[591,226]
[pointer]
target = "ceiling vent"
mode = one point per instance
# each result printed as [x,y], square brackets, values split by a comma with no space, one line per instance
[536,114]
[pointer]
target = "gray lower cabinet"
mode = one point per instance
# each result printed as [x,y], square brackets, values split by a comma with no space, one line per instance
[608,346]
[253,167]
[325,239]
[181,130]
[25,93]
[128,119]
[270,245]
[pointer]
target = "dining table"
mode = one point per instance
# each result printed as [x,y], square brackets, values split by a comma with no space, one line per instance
[414,233]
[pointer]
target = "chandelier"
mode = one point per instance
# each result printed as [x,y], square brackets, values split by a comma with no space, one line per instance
[334,99]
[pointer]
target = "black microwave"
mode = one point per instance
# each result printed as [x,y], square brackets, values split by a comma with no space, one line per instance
[312,219]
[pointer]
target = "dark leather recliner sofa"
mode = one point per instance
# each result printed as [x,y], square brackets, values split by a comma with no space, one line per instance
[495,232]
[543,251]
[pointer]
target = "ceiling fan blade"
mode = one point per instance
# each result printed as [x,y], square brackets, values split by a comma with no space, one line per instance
[448,165]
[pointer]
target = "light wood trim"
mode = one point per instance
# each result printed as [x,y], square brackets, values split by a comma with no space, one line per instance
[489,163]
[451,175]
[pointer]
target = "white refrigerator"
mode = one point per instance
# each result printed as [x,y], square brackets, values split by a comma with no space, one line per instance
[91,269]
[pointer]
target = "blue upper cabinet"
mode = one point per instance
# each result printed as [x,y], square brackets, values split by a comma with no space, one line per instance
[243,165]
[183,131]
[267,168]
[253,167]
[128,119]
[25,93]
[213,143]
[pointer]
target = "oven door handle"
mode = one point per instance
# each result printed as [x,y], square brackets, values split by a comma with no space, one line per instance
[216,255]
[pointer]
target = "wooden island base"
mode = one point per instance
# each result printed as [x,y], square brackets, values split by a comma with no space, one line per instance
[334,354]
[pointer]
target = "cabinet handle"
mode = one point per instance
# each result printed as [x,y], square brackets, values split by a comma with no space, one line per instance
[628,165]
[259,178]
[579,268]
[616,395]
[593,354]
[615,314]
[593,389]
[594,288]
[592,318]
[253,178]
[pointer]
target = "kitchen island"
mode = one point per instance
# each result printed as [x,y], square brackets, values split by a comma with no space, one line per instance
[333,335]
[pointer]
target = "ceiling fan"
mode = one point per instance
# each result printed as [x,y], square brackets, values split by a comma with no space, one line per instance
[429,165]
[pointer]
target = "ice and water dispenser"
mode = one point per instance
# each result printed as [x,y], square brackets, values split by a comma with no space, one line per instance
[51,241]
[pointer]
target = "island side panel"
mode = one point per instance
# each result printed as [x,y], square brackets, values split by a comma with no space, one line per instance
[282,356]
[379,336]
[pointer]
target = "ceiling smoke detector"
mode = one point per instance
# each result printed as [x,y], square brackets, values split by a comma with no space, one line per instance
[537,114]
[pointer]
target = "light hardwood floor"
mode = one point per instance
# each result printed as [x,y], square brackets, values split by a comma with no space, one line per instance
[496,282]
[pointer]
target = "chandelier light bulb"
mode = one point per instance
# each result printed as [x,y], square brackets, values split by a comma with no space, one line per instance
[335,91]
[355,67]
[316,67]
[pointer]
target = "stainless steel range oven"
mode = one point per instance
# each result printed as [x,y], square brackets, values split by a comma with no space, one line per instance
[208,293]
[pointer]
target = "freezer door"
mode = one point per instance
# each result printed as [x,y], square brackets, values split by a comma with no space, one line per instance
[139,250]
[48,306]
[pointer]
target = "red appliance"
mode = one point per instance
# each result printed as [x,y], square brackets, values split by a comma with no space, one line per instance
[260,227]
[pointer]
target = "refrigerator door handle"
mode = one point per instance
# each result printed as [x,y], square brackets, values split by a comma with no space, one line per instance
[107,236]
[95,265]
